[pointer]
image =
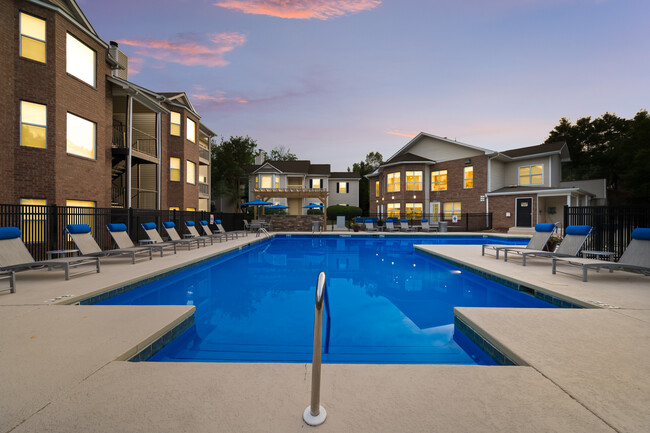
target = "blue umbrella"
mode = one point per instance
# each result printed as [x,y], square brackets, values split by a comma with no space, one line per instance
[278,206]
[312,206]
[257,203]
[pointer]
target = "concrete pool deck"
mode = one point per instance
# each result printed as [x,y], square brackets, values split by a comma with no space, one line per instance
[62,368]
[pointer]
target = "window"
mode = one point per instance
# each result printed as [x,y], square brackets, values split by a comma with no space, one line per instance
[191,209]
[342,187]
[83,215]
[451,209]
[34,219]
[80,135]
[175,124]
[439,180]
[79,60]
[174,208]
[32,38]
[468,177]
[266,181]
[33,125]
[191,130]
[393,210]
[315,184]
[531,175]
[203,173]
[414,181]
[414,210]
[277,182]
[190,173]
[392,182]
[377,192]
[175,169]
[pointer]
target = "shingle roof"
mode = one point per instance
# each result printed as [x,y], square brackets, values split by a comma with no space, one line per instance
[534,150]
[345,175]
[409,157]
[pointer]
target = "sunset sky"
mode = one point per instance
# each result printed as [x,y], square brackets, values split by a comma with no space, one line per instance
[335,79]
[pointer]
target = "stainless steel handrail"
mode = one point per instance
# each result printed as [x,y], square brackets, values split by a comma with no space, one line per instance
[315,414]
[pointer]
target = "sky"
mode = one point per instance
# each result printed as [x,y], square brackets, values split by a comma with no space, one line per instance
[333,80]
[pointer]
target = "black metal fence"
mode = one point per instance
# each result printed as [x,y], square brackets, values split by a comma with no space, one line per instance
[612,226]
[456,222]
[43,227]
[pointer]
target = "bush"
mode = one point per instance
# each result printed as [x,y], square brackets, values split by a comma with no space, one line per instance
[348,212]
[314,212]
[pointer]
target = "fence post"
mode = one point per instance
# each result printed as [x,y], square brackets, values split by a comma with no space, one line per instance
[467,221]
[53,225]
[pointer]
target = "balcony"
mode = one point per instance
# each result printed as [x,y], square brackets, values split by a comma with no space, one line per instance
[144,198]
[204,190]
[204,155]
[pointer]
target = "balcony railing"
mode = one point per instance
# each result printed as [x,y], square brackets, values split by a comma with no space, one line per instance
[143,198]
[119,135]
[204,153]
[147,146]
[204,188]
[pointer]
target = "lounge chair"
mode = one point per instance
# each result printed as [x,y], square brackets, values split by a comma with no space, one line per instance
[151,230]
[206,229]
[575,237]
[247,226]
[14,257]
[370,225]
[636,257]
[234,232]
[11,276]
[426,227]
[542,234]
[80,234]
[170,228]
[191,227]
[121,237]
[404,226]
[390,226]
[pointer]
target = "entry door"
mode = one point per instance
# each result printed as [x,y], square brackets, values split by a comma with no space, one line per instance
[435,211]
[524,212]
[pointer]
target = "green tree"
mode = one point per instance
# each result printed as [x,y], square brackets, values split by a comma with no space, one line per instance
[229,160]
[280,153]
[371,163]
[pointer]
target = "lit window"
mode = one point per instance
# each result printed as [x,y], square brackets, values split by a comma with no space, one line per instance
[342,187]
[393,210]
[439,180]
[414,210]
[175,169]
[203,174]
[33,124]
[531,175]
[267,182]
[191,173]
[34,219]
[174,208]
[191,130]
[393,184]
[80,135]
[277,182]
[377,192]
[80,60]
[414,181]
[257,181]
[315,183]
[83,214]
[468,177]
[451,209]
[191,209]
[175,124]
[32,38]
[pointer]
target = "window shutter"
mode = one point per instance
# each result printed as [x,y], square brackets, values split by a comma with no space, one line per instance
[337,186]
[311,183]
[347,187]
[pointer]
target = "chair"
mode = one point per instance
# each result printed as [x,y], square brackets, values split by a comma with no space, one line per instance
[80,234]
[232,233]
[121,237]
[543,233]
[170,228]
[390,226]
[426,227]
[575,237]
[369,223]
[14,257]
[247,226]
[151,230]
[191,227]
[636,257]
[404,226]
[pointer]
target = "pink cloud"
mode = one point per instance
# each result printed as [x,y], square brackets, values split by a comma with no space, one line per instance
[300,9]
[135,65]
[189,49]
[402,134]
[218,99]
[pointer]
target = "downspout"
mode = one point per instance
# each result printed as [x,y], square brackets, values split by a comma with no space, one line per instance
[159,150]
[129,157]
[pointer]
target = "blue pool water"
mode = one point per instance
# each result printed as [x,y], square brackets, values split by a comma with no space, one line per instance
[387,303]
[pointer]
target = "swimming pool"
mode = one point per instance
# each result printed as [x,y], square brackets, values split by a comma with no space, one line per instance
[387,303]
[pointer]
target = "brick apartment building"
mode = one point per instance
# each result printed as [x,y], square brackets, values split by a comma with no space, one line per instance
[76,132]
[441,179]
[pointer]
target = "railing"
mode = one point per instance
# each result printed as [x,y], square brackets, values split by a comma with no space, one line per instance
[315,414]
[119,135]
[148,146]
[204,188]
[464,221]
[204,153]
[143,198]
[118,196]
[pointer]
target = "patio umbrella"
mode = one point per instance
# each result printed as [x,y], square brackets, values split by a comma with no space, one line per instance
[257,203]
[278,206]
[312,206]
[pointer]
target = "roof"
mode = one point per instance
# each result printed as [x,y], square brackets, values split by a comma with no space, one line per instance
[180,98]
[300,166]
[410,157]
[555,147]
[424,134]
[345,175]
[535,189]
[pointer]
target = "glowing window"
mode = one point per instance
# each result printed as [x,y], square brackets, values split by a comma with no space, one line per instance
[175,169]
[79,60]
[393,210]
[33,125]
[316,184]
[393,182]
[531,175]
[377,192]
[175,124]
[82,212]
[439,180]
[174,208]
[80,135]
[191,130]
[267,182]
[468,177]
[191,173]
[413,210]
[191,209]
[451,209]
[414,181]
[342,187]
[32,38]
[34,219]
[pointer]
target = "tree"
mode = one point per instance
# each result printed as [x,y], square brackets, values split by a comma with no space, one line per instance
[280,153]
[229,160]
[371,163]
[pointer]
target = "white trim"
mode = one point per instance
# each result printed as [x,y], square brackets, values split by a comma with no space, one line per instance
[424,134]
[542,192]
[531,175]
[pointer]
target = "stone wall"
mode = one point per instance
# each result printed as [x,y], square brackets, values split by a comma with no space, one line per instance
[292,223]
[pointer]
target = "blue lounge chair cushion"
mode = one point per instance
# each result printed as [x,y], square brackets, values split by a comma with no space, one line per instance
[78,228]
[116,227]
[9,233]
[641,234]
[217,222]
[546,227]
[169,225]
[578,230]
[189,223]
[149,226]
[203,222]
[404,220]
[424,220]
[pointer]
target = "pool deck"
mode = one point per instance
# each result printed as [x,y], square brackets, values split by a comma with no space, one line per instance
[63,368]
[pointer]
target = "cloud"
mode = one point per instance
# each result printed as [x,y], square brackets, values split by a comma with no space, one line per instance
[218,98]
[300,9]
[402,133]
[189,49]
[135,65]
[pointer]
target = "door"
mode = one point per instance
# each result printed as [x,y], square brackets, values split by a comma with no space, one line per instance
[435,211]
[524,212]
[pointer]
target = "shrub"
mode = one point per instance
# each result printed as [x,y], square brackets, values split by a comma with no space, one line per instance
[348,212]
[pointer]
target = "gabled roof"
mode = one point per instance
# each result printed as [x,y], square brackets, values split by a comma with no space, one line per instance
[409,157]
[71,8]
[540,149]
[345,175]
[146,97]
[181,99]
[298,167]
[418,137]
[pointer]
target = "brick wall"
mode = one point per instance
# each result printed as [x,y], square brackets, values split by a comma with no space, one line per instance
[181,194]
[500,205]
[293,223]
